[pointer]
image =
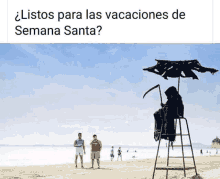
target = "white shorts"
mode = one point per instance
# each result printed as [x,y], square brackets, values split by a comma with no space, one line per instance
[79,150]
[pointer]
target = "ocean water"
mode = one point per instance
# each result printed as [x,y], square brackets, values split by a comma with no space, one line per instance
[25,156]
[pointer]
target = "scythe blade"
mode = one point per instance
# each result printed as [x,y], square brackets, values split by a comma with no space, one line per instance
[151,89]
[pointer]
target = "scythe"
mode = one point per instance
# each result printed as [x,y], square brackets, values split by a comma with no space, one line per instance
[152,89]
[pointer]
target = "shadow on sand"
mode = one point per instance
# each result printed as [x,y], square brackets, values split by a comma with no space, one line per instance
[193,177]
[196,177]
[97,168]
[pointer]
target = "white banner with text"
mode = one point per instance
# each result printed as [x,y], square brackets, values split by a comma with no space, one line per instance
[115,21]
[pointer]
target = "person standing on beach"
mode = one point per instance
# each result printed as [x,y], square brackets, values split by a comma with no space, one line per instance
[119,153]
[112,153]
[201,151]
[96,147]
[79,144]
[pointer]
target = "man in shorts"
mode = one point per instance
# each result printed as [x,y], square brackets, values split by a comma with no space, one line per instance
[79,144]
[119,153]
[96,147]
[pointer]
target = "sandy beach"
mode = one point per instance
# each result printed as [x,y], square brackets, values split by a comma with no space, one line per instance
[207,167]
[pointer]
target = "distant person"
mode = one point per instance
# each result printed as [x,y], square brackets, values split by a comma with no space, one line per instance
[80,146]
[112,153]
[127,150]
[135,151]
[119,153]
[172,109]
[216,151]
[96,147]
[201,151]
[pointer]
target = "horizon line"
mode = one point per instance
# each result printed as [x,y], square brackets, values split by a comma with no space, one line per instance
[89,145]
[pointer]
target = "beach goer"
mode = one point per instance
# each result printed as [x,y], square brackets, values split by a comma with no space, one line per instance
[80,146]
[119,153]
[112,153]
[96,147]
[201,151]
[172,109]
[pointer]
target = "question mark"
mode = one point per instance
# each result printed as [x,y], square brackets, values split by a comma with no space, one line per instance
[99,29]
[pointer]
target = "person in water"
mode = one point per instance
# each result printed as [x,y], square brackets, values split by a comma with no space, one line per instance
[172,109]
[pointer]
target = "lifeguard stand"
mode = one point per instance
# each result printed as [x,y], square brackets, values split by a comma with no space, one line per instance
[184,168]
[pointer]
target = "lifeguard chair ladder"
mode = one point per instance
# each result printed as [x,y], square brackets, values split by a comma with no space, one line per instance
[184,168]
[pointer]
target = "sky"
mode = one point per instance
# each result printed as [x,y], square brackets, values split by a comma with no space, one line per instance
[51,92]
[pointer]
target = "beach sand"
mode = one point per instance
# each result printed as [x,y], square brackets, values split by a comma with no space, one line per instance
[207,167]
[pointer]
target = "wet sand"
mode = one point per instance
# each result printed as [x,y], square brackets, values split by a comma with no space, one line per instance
[207,167]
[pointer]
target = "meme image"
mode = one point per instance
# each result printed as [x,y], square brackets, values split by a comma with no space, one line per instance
[109,111]
[116,89]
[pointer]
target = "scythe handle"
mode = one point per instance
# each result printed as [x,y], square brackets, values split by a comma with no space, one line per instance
[160,95]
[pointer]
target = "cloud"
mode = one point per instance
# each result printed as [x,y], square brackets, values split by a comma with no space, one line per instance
[113,51]
[65,91]
[56,93]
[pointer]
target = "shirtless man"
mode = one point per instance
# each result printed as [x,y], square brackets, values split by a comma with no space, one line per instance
[79,144]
